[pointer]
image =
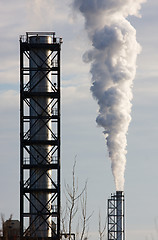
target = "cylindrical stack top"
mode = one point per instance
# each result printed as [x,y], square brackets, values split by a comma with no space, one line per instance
[39,36]
[40,39]
[119,193]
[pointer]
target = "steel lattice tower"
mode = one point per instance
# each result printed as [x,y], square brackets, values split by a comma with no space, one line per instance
[116,218]
[40,135]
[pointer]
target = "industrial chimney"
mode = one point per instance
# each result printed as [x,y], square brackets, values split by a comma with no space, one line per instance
[116,218]
[40,135]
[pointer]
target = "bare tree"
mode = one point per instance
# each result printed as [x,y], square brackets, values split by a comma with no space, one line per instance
[73,198]
[101,230]
[84,218]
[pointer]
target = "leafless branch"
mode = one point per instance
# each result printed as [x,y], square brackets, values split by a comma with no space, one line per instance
[101,231]
[73,195]
[84,219]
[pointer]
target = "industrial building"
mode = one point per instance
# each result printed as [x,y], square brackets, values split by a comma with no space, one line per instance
[10,230]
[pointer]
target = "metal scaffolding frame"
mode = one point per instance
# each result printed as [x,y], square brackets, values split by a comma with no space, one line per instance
[116,217]
[32,148]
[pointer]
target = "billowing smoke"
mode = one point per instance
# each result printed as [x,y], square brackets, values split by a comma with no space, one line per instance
[113,68]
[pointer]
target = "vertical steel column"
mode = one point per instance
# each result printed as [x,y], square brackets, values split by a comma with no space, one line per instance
[116,218]
[119,214]
[40,135]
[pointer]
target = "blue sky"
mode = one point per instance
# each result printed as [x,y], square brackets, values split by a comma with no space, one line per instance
[80,134]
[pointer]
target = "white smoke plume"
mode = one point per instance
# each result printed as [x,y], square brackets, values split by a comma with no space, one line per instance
[113,67]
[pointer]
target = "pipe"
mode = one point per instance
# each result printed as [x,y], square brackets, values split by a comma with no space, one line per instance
[119,214]
[39,130]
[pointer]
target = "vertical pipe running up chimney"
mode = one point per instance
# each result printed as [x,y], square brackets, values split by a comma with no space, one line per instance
[40,82]
[119,219]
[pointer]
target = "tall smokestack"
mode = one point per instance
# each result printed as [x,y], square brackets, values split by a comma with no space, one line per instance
[116,217]
[40,135]
[120,214]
